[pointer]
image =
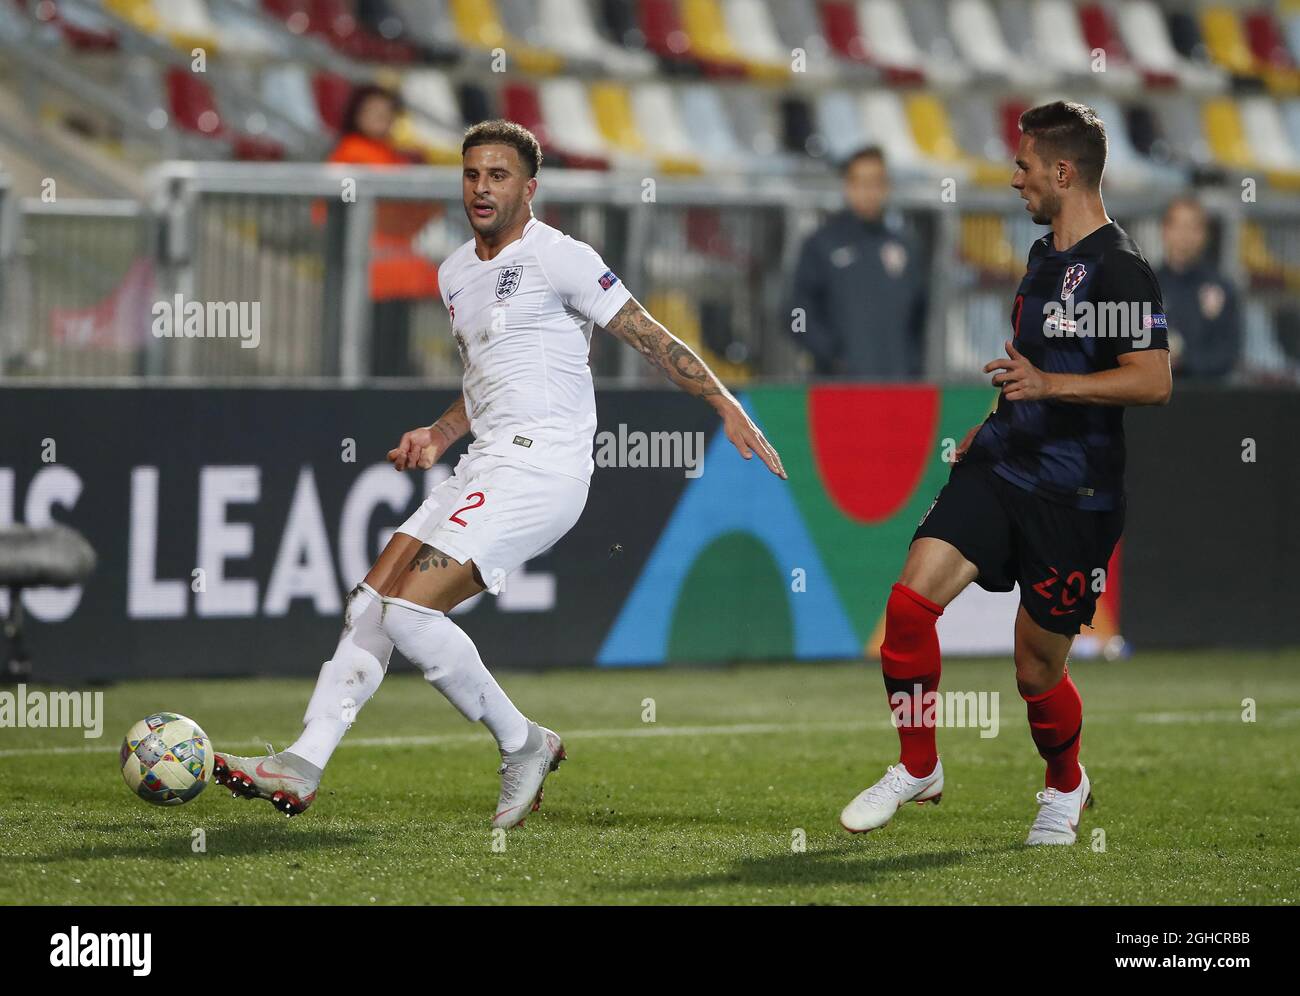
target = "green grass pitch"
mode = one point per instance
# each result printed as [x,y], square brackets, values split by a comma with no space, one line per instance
[704,805]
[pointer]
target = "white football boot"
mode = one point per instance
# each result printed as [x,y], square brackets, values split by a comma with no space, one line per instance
[286,781]
[522,773]
[876,806]
[1059,812]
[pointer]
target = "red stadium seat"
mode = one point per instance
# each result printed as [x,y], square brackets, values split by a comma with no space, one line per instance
[78,35]
[842,31]
[336,22]
[1264,37]
[1010,114]
[521,104]
[194,109]
[665,36]
[332,94]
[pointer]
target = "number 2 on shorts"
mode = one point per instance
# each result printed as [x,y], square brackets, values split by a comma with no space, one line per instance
[455,516]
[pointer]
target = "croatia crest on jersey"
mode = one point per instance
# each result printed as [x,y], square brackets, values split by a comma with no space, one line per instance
[508,281]
[1074,274]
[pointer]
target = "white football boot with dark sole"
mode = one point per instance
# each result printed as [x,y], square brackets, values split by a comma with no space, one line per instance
[284,780]
[522,773]
[876,806]
[1059,813]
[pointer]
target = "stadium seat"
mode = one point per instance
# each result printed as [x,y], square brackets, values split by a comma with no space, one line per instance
[889,42]
[1226,41]
[661,127]
[840,124]
[287,87]
[706,119]
[521,102]
[979,39]
[1101,33]
[978,127]
[428,23]
[750,25]
[332,94]
[567,27]
[241,33]
[932,128]
[1147,38]
[1266,42]
[429,92]
[706,27]
[336,23]
[1057,29]
[194,109]
[928,22]
[757,127]
[1019,27]
[475,103]
[187,24]
[842,31]
[1226,133]
[1269,141]
[887,124]
[82,27]
[567,109]
[799,26]
[984,245]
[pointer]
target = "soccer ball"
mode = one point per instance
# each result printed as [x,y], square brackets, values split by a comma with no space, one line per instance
[166,759]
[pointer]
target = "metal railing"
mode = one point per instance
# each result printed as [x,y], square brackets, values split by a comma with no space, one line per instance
[711,258]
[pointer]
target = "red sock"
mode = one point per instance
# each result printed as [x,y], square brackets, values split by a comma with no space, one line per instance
[910,657]
[1056,723]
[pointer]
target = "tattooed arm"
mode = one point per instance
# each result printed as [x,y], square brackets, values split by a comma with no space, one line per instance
[422,447]
[635,326]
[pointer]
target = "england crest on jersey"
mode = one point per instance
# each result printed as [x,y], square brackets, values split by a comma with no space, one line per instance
[1074,274]
[508,281]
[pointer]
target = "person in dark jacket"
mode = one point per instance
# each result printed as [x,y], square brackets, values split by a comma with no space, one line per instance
[1202,304]
[858,303]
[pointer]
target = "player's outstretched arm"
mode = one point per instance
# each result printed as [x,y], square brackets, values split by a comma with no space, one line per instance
[1142,378]
[422,447]
[636,327]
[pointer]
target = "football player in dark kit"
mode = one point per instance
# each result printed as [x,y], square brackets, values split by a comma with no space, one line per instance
[1036,497]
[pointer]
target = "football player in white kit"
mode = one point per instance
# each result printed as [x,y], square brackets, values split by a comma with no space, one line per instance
[523,298]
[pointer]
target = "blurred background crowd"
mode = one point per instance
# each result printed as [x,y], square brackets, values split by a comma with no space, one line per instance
[800,188]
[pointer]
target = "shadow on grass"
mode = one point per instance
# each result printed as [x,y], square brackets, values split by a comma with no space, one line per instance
[843,864]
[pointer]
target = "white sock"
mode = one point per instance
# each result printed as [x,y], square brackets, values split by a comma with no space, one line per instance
[348,679]
[451,664]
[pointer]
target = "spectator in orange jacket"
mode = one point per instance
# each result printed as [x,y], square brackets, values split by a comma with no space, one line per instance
[398,275]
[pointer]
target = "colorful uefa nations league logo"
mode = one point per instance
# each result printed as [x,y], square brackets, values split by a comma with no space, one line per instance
[508,281]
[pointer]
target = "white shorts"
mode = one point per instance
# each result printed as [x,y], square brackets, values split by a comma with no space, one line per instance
[497,512]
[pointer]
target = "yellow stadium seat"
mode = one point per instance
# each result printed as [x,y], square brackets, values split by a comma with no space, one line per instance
[707,29]
[478,25]
[1221,29]
[677,313]
[143,15]
[1226,134]
[612,106]
[984,244]
[932,130]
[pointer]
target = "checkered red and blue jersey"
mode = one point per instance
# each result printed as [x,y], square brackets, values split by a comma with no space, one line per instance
[1076,311]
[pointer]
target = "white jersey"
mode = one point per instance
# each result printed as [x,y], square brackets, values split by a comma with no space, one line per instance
[522,323]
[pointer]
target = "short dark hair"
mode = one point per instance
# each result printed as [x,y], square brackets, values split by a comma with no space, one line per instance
[501,132]
[866,152]
[357,100]
[1185,201]
[1068,130]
